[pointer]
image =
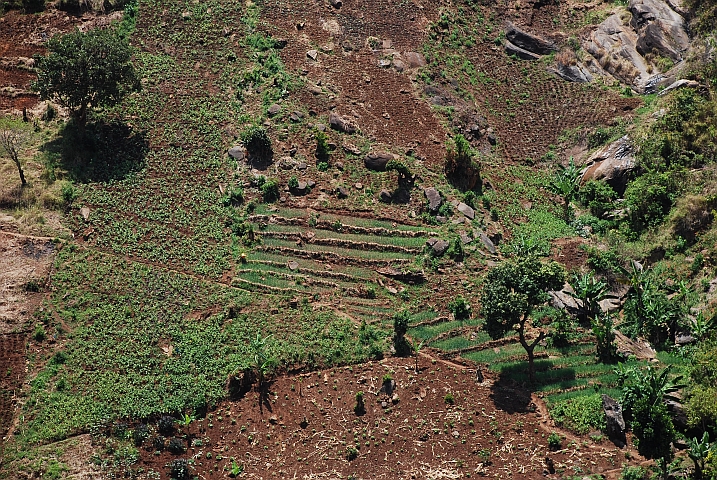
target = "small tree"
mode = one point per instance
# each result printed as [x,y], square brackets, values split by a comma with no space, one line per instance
[461,166]
[257,142]
[86,70]
[400,327]
[263,362]
[511,292]
[565,183]
[14,136]
[589,292]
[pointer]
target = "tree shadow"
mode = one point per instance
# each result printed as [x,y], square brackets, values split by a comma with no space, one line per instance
[100,152]
[264,392]
[511,392]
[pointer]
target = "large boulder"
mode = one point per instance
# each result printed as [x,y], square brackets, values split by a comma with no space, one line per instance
[341,124]
[377,161]
[659,28]
[615,422]
[414,59]
[574,73]
[528,41]
[614,45]
[613,164]
[521,53]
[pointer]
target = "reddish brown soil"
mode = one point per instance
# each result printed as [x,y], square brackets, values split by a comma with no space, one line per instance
[12,374]
[306,423]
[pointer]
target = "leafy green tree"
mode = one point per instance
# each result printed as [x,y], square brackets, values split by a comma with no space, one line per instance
[14,136]
[257,142]
[566,184]
[86,70]
[702,391]
[511,291]
[462,167]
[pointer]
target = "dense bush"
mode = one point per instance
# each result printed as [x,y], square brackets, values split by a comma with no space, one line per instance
[400,327]
[461,166]
[270,190]
[598,197]
[649,198]
[460,308]
[257,142]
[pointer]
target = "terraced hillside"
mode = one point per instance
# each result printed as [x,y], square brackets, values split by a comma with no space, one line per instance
[248,231]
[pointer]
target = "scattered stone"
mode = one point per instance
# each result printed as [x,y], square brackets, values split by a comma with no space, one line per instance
[339,166]
[296,117]
[684,339]
[337,122]
[312,54]
[351,148]
[377,160]
[466,210]
[391,290]
[85,212]
[615,422]
[320,127]
[336,3]
[384,62]
[301,188]
[487,243]
[414,59]
[441,219]
[434,199]
[465,238]
[286,163]
[385,196]
[358,186]
[562,300]
[341,192]
[399,65]
[440,247]
[274,110]
[282,199]
[491,136]
[310,184]
[273,419]
[301,166]
[237,152]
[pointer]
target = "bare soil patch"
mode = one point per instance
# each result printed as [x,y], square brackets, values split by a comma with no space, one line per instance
[439,422]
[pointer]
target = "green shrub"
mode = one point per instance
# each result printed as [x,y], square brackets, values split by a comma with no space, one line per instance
[270,190]
[322,166]
[322,147]
[598,197]
[360,407]
[39,335]
[554,441]
[351,453]
[633,473]
[400,327]
[579,414]
[460,308]
[293,182]
[69,193]
[649,198]
[257,142]
[449,399]
[461,166]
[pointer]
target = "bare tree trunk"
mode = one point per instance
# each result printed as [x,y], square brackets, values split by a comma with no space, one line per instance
[22,174]
[530,348]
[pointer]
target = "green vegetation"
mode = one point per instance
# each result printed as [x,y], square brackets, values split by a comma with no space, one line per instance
[14,138]
[86,70]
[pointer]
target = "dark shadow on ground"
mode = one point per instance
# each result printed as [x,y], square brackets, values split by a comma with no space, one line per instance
[100,152]
[511,391]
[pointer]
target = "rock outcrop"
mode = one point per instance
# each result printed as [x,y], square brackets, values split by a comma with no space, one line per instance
[613,164]
[659,28]
[615,422]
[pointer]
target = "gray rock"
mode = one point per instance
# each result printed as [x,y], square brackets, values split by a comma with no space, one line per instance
[562,300]
[614,45]
[680,84]
[310,184]
[399,65]
[434,199]
[679,416]
[377,160]
[466,210]
[384,63]
[613,164]
[385,196]
[465,238]
[342,192]
[337,122]
[440,247]
[523,54]
[528,41]
[684,339]
[293,265]
[274,110]
[414,59]
[296,117]
[336,3]
[615,422]
[312,54]
[659,28]
[237,152]
[321,127]
[574,73]
[301,166]
[441,219]
[487,243]
[339,166]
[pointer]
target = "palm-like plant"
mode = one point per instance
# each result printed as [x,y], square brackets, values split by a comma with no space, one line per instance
[699,449]
[565,183]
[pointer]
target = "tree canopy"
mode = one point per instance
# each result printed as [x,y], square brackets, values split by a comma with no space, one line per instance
[511,292]
[85,70]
